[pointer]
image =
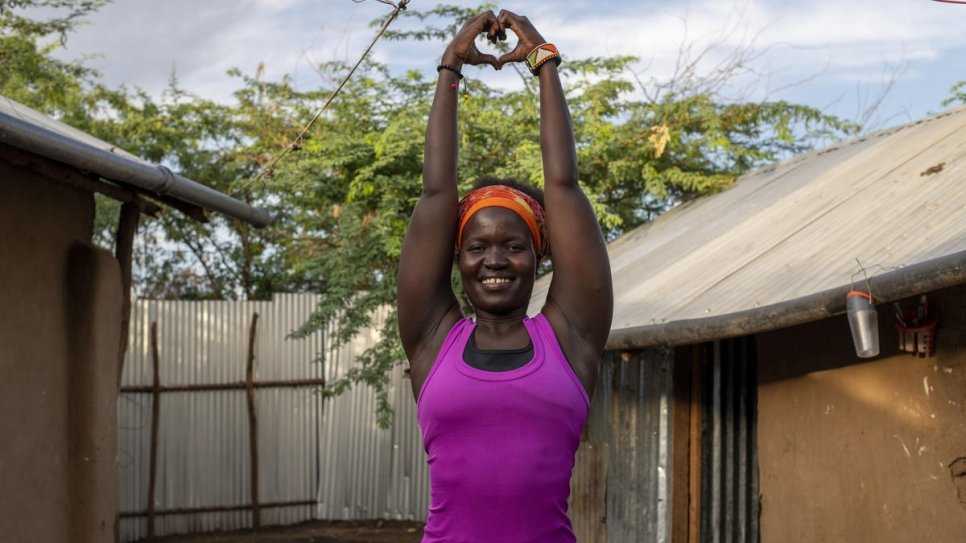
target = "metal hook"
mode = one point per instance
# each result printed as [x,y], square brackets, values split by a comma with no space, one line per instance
[868,285]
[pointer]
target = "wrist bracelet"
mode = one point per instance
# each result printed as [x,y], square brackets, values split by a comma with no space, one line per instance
[442,67]
[540,55]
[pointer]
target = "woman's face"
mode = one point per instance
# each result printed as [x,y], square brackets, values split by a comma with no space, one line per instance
[497,261]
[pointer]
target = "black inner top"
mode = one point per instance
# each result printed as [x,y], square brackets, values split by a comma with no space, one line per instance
[496,359]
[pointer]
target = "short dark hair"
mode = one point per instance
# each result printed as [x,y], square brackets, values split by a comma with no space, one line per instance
[526,188]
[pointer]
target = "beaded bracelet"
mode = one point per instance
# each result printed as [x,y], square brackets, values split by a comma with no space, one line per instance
[442,67]
[540,55]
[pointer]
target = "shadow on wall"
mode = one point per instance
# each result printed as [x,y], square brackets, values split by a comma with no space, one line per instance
[875,448]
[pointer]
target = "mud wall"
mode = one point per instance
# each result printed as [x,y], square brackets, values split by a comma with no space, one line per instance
[863,450]
[59,330]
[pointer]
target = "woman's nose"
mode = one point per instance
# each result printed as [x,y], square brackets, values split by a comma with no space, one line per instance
[495,259]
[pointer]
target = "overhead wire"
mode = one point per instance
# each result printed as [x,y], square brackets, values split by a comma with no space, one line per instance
[296,144]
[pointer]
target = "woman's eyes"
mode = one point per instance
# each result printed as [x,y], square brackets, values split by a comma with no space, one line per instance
[512,247]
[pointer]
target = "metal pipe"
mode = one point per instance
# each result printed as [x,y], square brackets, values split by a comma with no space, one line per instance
[240,385]
[36,139]
[942,272]
[218,509]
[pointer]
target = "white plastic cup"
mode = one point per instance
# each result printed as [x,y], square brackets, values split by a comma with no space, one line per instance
[864,322]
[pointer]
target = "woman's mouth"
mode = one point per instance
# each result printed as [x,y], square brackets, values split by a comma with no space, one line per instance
[496,281]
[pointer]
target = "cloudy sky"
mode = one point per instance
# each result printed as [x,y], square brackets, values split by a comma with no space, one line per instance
[832,54]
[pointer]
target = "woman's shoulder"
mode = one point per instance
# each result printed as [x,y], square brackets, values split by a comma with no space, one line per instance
[581,353]
[421,360]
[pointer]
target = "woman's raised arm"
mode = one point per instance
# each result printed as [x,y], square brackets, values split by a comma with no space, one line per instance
[580,300]
[425,297]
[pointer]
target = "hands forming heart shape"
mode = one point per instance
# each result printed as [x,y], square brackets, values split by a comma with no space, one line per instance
[463,49]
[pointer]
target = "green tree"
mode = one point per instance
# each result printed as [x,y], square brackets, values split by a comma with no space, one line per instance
[212,143]
[359,174]
[29,73]
[344,194]
[31,32]
[224,147]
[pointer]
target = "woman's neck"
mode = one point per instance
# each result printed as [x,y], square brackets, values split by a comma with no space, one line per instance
[500,323]
[501,331]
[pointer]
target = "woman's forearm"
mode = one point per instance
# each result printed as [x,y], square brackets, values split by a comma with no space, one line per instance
[556,132]
[442,143]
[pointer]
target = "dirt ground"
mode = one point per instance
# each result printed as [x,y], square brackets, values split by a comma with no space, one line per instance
[387,531]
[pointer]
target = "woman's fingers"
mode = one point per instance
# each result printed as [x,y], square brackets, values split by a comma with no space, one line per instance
[522,27]
[489,25]
[484,23]
[494,27]
[484,20]
[527,36]
[486,58]
[518,54]
[463,46]
[474,58]
[516,23]
[494,30]
[505,16]
[506,19]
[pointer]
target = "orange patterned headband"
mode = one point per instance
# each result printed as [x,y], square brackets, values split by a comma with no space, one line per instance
[510,198]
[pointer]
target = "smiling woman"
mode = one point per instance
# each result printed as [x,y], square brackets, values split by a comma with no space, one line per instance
[500,240]
[501,396]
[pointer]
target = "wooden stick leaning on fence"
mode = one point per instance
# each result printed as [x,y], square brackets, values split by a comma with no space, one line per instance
[155,413]
[252,423]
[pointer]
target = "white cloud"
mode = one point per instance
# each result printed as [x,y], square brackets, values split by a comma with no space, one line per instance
[837,43]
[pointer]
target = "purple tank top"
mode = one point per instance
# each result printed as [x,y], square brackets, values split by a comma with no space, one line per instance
[501,445]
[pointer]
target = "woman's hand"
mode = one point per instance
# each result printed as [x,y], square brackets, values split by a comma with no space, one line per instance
[462,50]
[527,37]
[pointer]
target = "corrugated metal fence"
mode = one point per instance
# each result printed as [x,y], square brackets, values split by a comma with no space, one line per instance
[367,472]
[730,501]
[309,464]
[630,417]
[335,462]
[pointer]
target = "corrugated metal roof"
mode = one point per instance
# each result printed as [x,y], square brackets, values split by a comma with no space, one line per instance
[36,118]
[32,131]
[892,199]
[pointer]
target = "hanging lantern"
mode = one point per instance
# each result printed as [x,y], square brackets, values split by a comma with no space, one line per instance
[864,322]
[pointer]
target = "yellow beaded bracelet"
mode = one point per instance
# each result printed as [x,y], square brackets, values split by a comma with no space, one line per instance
[540,55]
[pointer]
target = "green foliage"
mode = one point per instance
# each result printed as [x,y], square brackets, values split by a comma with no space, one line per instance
[359,175]
[437,23]
[28,71]
[66,14]
[222,146]
[957,94]
[214,144]
[343,199]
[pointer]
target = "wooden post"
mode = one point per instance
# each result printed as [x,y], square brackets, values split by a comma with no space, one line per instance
[155,411]
[252,423]
[694,494]
[681,445]
[123,251]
